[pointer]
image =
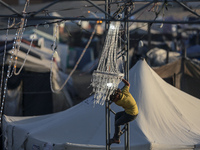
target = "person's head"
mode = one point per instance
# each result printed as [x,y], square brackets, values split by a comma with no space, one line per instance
[115,96]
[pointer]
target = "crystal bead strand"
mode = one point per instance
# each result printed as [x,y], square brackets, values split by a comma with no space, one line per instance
[107,70]
[30,46]
[19,40]
[120,48]
[20,35]
[16,46]
[8,75]
[115,50]
[5,85]
[12,53]
[4,58]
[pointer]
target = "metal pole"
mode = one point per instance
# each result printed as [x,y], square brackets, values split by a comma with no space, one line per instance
[126,38]
[107,148]
[54,2]
[107,124]
[107,105]
[149,35]
[187,8]
[10,8]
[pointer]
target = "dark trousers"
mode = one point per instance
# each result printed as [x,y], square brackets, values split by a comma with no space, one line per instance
[122,118]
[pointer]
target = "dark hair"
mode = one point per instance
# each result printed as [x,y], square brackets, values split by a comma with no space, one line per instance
[114,94]
[117,91]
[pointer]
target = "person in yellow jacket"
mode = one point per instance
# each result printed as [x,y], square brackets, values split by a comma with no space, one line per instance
[124,99]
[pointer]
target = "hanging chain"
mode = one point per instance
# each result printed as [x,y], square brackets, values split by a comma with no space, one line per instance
[107,76]
[12,54]
[18,43]
[20,33]
[120,47]
[2,71]
[2,75]
[30,46]
[17,37]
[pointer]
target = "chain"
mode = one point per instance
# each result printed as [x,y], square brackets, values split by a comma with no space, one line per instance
[17,37]
[2,74]
[20,32]
[18,43]
[17,73]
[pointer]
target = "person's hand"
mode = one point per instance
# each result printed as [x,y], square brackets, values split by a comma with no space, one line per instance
[126,82]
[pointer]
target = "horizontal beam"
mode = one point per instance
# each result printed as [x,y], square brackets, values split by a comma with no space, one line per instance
[61,19]
[95,19]
[10,8]
[144,0]
[164,0]
[54,2]
[103,19]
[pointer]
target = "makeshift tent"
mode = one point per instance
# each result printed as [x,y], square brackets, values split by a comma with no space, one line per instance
[45,41]
[194,52]
[184,74]
[158,57]
[29,93]
[168,119]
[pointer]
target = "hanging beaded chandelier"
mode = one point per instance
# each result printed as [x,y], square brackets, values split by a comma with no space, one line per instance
[107,76]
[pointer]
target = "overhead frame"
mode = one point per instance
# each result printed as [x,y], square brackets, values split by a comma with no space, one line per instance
[34,17]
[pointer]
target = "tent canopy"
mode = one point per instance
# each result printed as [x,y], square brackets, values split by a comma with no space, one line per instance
[168,118]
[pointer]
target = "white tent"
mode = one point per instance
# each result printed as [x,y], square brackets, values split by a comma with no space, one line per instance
[168,119]
[29,93]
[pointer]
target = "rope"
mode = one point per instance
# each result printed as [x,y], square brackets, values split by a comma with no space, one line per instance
[77,63]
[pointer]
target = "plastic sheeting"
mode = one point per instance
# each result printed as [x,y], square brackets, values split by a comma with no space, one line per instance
[168,119]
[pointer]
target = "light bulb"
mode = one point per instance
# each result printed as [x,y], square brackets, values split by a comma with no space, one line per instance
[109,84]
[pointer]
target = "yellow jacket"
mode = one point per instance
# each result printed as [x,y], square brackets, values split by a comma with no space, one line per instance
[127,102]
